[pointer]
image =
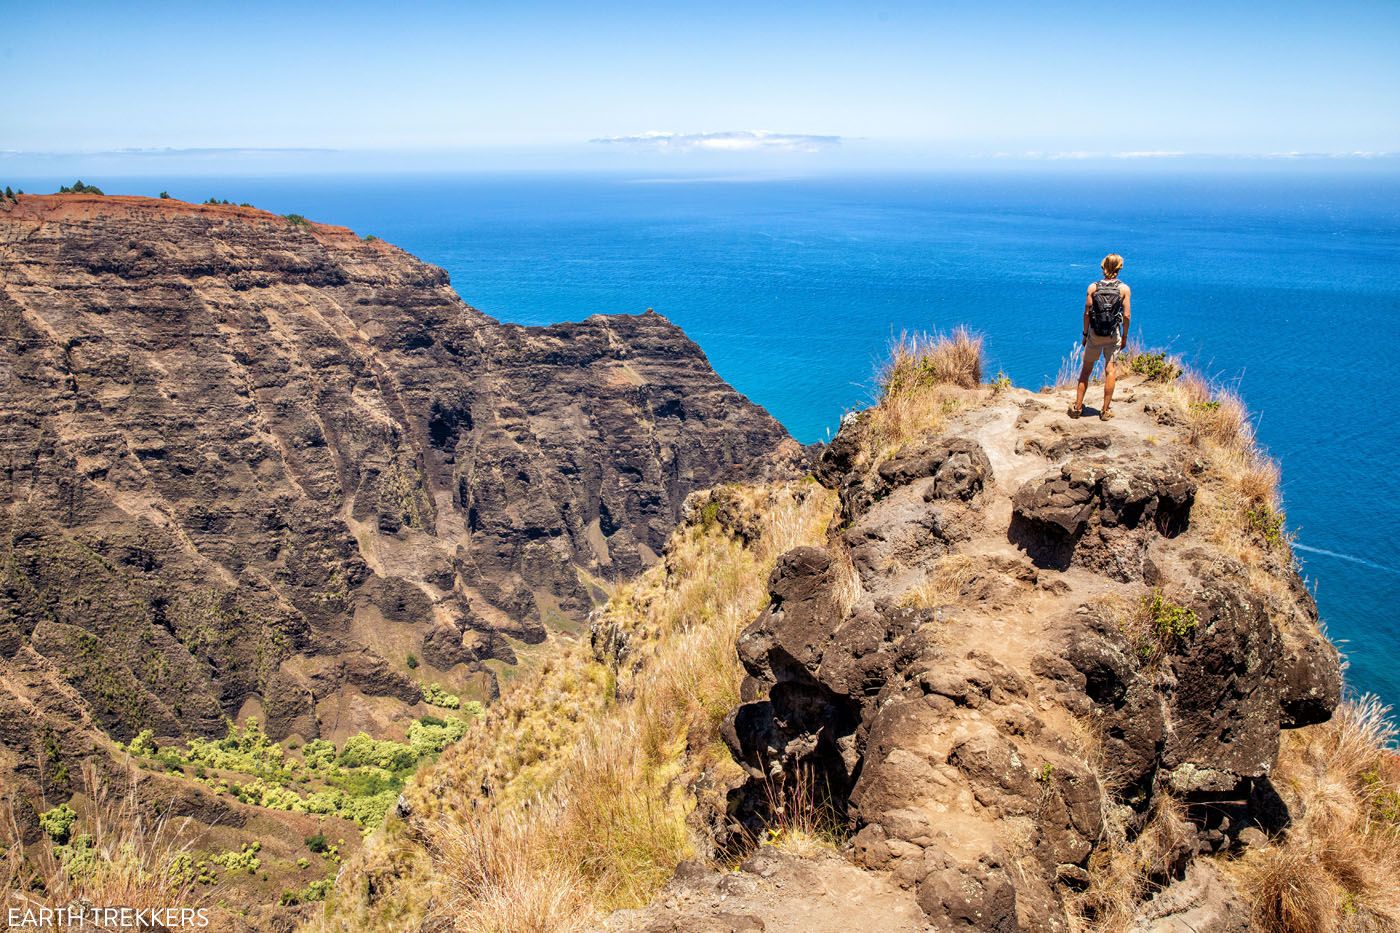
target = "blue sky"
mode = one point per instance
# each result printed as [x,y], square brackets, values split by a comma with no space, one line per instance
[541,84]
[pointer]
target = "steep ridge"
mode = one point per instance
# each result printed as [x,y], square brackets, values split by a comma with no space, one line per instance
[257,465]
[1038,672]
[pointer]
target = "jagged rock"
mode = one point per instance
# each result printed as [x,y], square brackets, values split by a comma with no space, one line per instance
[948,739]
[1202,902]
[1100,513]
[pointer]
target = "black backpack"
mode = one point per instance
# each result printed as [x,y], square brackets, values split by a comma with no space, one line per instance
[1106,313]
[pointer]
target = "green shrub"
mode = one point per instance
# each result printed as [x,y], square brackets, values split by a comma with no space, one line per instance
[1155,366]
[318,754]
[1168,619]
[429,738]
[436,695]
[412,662]
[296,220]
[165,195]
[58,822]
[143,744]
[317,843]
[362,750]
[79,858]
[370,238]
[315,891]
[1267,523]
[185,869]
[245,859]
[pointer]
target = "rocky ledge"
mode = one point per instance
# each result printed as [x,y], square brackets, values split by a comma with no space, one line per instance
[1024,642]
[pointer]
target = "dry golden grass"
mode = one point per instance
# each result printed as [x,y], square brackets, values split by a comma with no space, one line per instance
[1337,865]
[915,383]
[131,858]
[846,586]
[1126,869]
[800,818]
[944,583]
[591,764]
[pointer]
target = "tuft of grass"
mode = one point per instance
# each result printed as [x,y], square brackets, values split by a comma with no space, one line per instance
[801,819]
[1240,507]
[944,583]
[923,360]
[296,220]
[1128,867]
[1335,866]
[917,386]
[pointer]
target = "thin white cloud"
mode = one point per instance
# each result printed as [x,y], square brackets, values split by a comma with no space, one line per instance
[729,141]
[1151,154]
[1080,155]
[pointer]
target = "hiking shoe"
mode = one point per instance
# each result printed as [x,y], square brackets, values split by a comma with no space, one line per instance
[1105,415]
[1075,412]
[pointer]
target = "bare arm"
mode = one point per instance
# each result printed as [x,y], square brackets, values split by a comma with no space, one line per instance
[1127,314]
[1088,303]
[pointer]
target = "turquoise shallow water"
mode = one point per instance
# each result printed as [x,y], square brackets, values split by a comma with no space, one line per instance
[1283,283]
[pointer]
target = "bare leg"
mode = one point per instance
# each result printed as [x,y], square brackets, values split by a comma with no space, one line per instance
[1109,376]
[1084,372]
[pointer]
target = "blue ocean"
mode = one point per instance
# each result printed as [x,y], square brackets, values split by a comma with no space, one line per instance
[1283,282]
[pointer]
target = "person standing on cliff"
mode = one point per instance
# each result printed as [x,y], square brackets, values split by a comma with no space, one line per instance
[1107,311]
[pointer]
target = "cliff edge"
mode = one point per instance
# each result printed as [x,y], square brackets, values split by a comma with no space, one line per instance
[258,465]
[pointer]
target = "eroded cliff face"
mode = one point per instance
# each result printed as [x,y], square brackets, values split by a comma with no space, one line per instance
[1026,636]
[250,465]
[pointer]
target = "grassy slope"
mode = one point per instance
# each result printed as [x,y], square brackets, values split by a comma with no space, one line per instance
[576,795]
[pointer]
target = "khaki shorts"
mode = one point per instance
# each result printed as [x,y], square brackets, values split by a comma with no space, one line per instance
[1101,346]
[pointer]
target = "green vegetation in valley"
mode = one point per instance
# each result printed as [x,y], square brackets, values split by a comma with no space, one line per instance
[435,695]
[358,781]
[58,822]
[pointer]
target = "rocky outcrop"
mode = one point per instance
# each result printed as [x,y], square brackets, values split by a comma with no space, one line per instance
[249,462]
[1020,640]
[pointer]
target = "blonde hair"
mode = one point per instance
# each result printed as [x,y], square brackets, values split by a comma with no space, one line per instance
[1112,264]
